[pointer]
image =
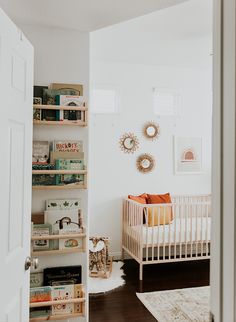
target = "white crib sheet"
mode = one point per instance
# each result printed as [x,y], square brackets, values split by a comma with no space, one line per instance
[180,230]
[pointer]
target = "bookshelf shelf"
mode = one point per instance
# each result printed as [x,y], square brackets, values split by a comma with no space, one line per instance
[59,172]
[57,252]
[81,123]
[65,122]
[60,107]
[55,237]
[58,302]
[56,317]
[62,187]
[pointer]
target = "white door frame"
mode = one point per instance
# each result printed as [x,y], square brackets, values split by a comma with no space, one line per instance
[223,268]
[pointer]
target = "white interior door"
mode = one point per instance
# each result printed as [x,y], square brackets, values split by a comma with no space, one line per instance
[16,83]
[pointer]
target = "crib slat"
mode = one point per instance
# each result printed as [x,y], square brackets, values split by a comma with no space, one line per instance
[191,231]
[202,209]
[164,235]
[153,214]
[180,231]
[146,246]
[169,220]
[175,219]
[207,209]
[187,210]
[197,207]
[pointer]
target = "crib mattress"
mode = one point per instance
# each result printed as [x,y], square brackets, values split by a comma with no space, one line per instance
[181,230]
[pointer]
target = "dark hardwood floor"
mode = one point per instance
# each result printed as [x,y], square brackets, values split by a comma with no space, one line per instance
[122,304]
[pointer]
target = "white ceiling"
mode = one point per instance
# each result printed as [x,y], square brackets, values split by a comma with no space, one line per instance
[180,35]
[84,15]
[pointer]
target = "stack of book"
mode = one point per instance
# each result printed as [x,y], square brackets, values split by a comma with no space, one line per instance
[61,217]
[56,284]
[58,155]
[59,94]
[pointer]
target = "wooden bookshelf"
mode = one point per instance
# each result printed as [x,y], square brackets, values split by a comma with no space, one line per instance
[82,122]
[61,187]
[68,186]
[58,302]
[62,108]
[49,172]
[55,237]
[65,122]
[56,317]
[57,252]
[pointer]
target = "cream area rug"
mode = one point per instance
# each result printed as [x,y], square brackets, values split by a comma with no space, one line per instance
[102,285]
[183,305]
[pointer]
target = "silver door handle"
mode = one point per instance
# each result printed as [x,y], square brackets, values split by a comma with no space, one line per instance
[31,262]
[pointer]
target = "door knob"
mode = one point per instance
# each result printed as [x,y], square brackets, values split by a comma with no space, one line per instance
[31,262]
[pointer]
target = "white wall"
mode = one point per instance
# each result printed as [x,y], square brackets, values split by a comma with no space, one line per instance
[162,50]
[60,56]
[113,173]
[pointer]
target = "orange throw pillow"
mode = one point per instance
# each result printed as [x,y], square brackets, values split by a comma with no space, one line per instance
[140,199]
[159,215]
[159,198]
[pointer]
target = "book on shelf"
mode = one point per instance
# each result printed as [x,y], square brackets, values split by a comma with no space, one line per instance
[37,218]
[41,230]
[59,293]
[60,275]
[38,91]
[77,88]
[39,312]
[69,164]
[43,179]
[43,166]
[65,292]
[62,219]
[65,155]
[68,146]
[40,294]
[37,111]
[49,95]
[73,101]
[36,279]
[40,151]
[63,204]
[70,243]
[49,98]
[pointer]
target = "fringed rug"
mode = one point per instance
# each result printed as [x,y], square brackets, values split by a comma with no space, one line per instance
[102,285]
[183,305]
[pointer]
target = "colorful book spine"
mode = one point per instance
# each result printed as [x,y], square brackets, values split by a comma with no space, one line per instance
[40,294]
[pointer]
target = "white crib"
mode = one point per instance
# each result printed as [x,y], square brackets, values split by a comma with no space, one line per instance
[161,233]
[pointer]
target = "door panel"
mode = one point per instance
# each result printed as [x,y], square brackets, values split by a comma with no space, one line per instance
[16,141]
[16,86]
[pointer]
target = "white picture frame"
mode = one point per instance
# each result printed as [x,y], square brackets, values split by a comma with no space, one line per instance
[166,102]
[188,155]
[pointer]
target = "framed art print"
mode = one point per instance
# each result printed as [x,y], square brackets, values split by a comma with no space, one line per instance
[188,155]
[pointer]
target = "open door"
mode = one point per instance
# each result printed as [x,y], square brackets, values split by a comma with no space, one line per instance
[16,84]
